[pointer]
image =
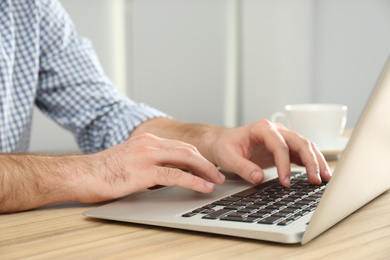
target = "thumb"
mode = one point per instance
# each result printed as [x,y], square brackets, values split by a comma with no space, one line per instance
[248,170]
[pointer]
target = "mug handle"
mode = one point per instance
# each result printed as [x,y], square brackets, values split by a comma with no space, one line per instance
[278,115]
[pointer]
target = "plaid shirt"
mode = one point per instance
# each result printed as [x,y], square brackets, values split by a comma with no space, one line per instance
[44,62]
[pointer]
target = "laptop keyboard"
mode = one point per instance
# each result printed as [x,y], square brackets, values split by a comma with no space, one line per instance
[267,203]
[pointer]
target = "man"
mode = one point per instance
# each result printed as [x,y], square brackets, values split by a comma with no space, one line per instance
[128,146]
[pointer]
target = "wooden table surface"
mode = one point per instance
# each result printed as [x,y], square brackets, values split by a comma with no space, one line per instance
[61,232]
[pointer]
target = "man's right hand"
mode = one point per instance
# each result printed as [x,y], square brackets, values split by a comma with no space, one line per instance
[143,162]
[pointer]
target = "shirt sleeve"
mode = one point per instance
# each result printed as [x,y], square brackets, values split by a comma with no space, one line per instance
[74,91]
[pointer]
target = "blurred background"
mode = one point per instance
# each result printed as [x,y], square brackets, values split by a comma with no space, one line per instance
[231,62]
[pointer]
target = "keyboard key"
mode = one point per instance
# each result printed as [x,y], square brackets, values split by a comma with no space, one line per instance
[267,203]
[209,206]
[252,190]
[245,210]
[199,210]
[288,211]
[241,203]
[208,211]
[246,193]
[272,207]
[233,207]
[285,222]
[261,203]
[270,220]
[239,219]
[217,214]
[279,214]
[189,214]
[222,202]
[258,214]
[236,214]
[230,198]
[253,206]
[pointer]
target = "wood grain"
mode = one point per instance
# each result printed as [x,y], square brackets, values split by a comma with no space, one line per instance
[62,232]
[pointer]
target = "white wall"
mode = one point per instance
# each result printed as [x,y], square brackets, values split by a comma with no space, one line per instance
[352,43]
[327,51]
[276,56]
[179,56]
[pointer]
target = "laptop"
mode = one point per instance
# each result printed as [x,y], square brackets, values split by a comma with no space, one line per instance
[269,211]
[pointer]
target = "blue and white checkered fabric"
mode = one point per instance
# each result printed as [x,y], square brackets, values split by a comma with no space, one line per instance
[44,62]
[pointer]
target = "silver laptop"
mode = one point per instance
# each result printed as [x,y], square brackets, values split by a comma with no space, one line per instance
[268,211]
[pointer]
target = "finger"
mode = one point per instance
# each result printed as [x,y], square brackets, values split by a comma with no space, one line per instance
[261,134]
[248,170]
[157,142]
[325,172]
[276,144]
[310,157]
[179,154]
[174,177]
[188,158]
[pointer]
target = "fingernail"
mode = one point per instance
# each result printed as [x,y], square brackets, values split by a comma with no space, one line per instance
[221,176]
[318,177]
[287,181]
[209,185]
[256,177]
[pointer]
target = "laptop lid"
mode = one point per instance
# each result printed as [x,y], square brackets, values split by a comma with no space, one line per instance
[364,163]
[363,171]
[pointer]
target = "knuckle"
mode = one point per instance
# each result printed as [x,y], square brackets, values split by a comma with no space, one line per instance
[194,181]
[306,144]
[145,137]
[184,145]
[285,147]
[192,147]
[265,123]
[175,177]
[187,152]
[246,169]
[169,176]
[312,144]
[262,125]
[279,125]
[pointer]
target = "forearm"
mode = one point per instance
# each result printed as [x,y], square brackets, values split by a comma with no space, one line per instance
[30,180]
[199,135]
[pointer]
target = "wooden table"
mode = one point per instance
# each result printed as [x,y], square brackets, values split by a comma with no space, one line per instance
[61,232]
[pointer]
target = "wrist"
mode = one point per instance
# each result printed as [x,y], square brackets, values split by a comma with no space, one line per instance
[83,176]
[207,140]
[63,177]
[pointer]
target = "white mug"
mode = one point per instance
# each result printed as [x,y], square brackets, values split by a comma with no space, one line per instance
[321,123]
